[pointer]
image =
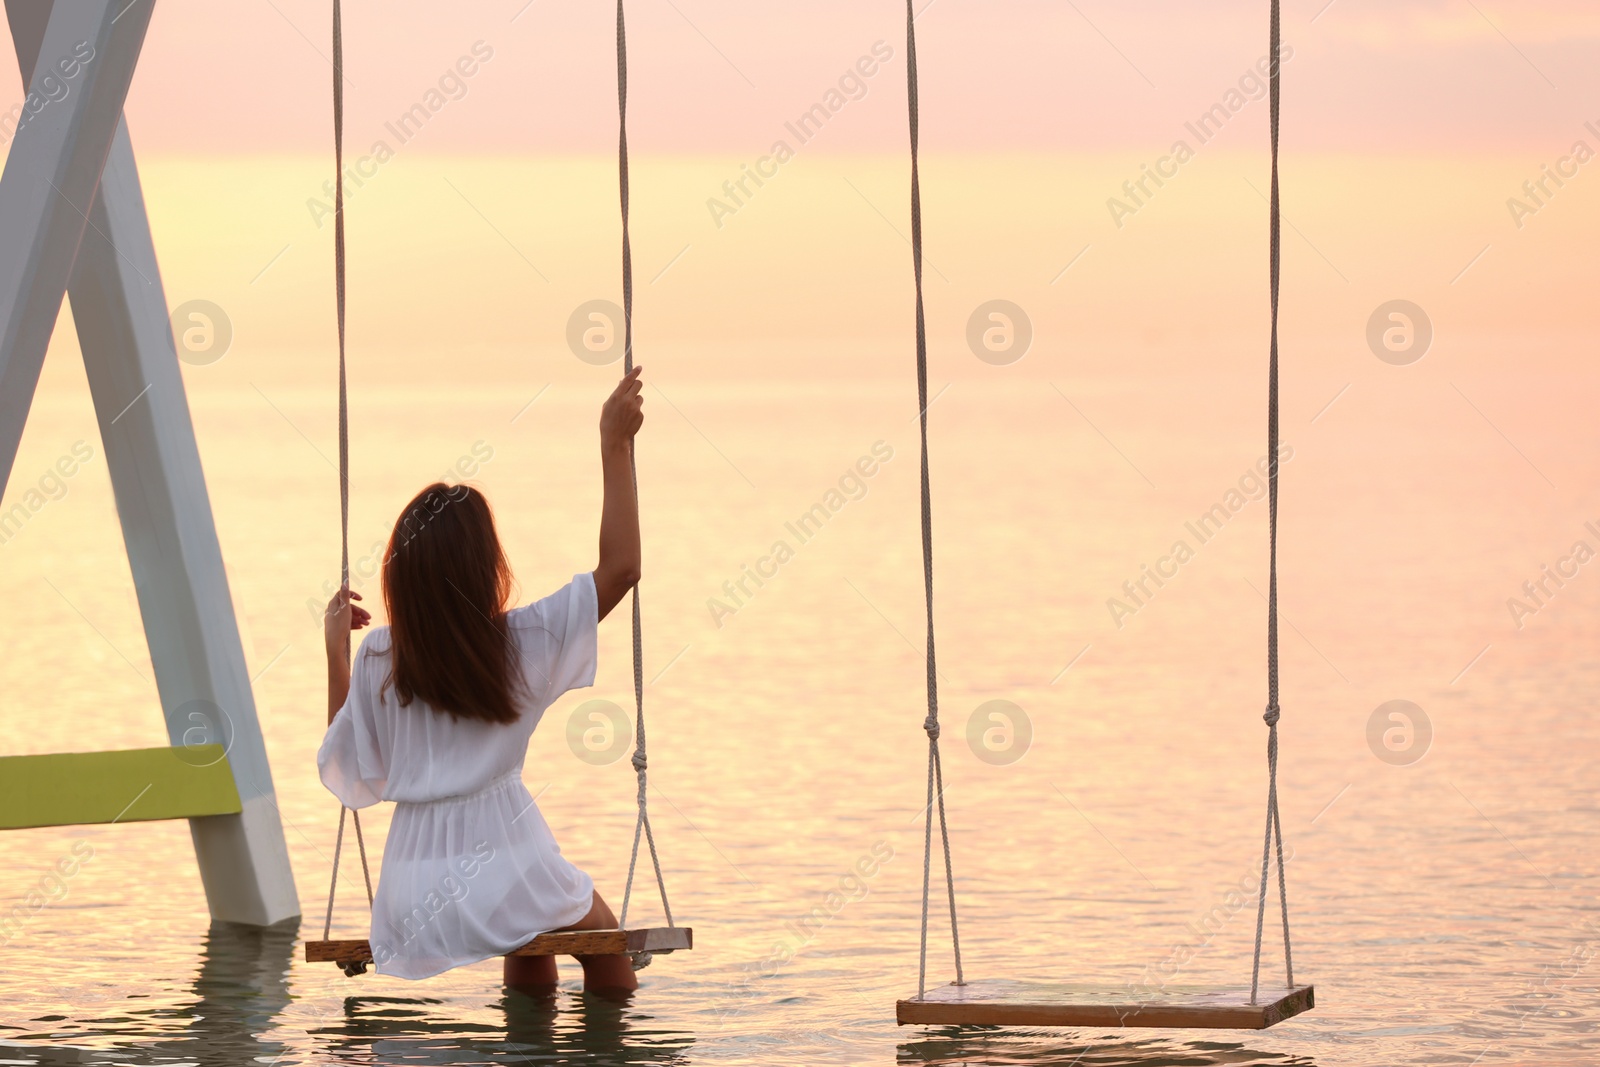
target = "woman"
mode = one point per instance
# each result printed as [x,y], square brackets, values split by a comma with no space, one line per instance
[436,715]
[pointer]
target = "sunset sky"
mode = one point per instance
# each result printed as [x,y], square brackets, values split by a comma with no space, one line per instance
[715,76]
[1410,129]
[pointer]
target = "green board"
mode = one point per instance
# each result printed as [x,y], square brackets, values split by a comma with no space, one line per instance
[75,788]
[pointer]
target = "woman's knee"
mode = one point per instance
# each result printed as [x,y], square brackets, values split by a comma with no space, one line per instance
[598,918]
[601,913]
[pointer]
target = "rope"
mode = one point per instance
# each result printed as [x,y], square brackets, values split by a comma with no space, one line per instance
[361,846]
[931,724]
[641,762]
[338,847]
[1274,831]
[344,425]
[338,288]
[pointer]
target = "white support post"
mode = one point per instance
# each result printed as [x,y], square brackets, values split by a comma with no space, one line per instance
[121,314]
[49,180]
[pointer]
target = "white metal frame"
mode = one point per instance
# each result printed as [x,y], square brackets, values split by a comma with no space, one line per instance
[72,221]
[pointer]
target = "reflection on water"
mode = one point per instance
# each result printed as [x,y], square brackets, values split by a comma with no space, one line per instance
[563,1028]
[242,986]
[998,1047]
[234,1014]
[230,1015]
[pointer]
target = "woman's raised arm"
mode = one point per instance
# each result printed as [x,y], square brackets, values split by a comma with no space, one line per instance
[620,562]
[341,618]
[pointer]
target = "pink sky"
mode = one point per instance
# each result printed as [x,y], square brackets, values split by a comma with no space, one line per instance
[1440,76]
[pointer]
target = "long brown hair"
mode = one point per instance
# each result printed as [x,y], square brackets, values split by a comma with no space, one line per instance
[446,583]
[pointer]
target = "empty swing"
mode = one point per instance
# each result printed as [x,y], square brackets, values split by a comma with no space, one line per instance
[999,1002]
[642,944]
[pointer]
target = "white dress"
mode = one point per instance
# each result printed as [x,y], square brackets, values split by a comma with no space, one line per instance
[470,869]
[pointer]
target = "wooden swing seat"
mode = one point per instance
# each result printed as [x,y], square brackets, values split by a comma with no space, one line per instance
[556,943]
[1001,1002]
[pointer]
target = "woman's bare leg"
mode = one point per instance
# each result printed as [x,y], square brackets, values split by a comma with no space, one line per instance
[537,976]
[533,975]
[604,974]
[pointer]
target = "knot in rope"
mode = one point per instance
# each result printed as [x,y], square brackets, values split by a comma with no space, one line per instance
[641,762]
[1271,716]
[931,725]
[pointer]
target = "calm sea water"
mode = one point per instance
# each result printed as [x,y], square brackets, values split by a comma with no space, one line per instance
[1443,898]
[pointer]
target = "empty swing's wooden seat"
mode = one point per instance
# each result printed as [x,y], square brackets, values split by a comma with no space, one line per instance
[1000,1002]
[556,943]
